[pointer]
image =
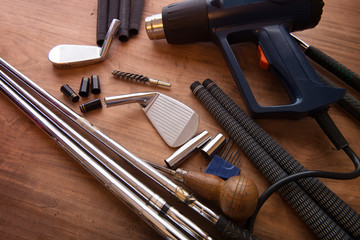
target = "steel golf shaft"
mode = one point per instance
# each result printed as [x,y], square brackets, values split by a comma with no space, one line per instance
[155,200]
[109,181]
[117,148]
[221,223]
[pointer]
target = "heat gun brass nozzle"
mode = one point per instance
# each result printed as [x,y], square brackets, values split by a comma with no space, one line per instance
[154,27]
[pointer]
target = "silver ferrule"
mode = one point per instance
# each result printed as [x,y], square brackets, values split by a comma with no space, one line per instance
[154,27]
[192,202]
[180,175]
[213,146]
[187,149]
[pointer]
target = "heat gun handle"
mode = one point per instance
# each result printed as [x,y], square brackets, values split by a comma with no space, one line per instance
[288,62]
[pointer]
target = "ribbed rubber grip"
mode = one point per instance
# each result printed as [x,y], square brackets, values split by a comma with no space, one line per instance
[316,219]
[333,66]
[346,217]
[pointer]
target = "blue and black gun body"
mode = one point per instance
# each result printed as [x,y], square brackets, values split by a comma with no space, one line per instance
[268,24]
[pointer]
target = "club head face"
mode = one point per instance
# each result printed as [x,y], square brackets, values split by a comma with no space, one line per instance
[175,122]
[67,56]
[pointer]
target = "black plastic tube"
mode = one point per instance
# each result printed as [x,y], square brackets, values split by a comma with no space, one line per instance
[346,217]
[316,219]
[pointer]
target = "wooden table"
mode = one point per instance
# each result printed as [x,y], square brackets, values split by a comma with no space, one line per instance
[45,194]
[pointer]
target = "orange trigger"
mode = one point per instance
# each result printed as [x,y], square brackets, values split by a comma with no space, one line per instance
[264,63]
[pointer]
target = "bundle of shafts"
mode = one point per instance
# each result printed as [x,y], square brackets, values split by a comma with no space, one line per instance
[164,218]
[128,12]
[324,212]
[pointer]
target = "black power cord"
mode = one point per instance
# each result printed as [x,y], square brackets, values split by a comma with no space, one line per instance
[328,126]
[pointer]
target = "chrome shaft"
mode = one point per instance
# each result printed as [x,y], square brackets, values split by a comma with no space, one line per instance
[113,184]
[158,177]
[156,201]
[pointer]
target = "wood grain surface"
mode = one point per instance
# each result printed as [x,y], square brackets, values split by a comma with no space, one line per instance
[46,194]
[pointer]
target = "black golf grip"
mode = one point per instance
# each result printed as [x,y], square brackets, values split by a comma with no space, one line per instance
[333,66]
[124,17]
[232,231]
[314,217]
[344,215]
[101,25]
[113,11]
[135,16]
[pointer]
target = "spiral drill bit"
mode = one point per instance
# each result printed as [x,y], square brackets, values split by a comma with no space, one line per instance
[139,78]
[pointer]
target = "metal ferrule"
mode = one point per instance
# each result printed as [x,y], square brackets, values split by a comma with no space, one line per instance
[192,202]
[213,146]
[180,175]
[187,149]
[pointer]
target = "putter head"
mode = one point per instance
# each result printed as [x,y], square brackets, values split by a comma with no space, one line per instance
[68,56]
[174,121]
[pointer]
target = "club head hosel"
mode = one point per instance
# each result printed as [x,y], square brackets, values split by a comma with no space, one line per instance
[143,98]
[111,33]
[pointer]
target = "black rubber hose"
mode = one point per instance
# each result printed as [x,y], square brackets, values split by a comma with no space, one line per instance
[346,217]
[316,219]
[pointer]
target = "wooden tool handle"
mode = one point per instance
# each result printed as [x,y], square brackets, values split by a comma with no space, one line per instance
[237,196]
[206,185]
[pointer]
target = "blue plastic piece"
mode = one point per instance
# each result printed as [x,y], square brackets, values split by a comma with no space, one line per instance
[222,168]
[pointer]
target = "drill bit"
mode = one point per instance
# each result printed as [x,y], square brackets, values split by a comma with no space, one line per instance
[139,78]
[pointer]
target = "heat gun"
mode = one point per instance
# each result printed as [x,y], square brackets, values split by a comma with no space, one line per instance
[268,24]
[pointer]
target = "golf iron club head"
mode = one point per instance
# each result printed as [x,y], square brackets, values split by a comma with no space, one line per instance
[174,121]
[68,56]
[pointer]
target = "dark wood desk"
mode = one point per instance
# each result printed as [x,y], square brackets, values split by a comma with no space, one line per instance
[45,194]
